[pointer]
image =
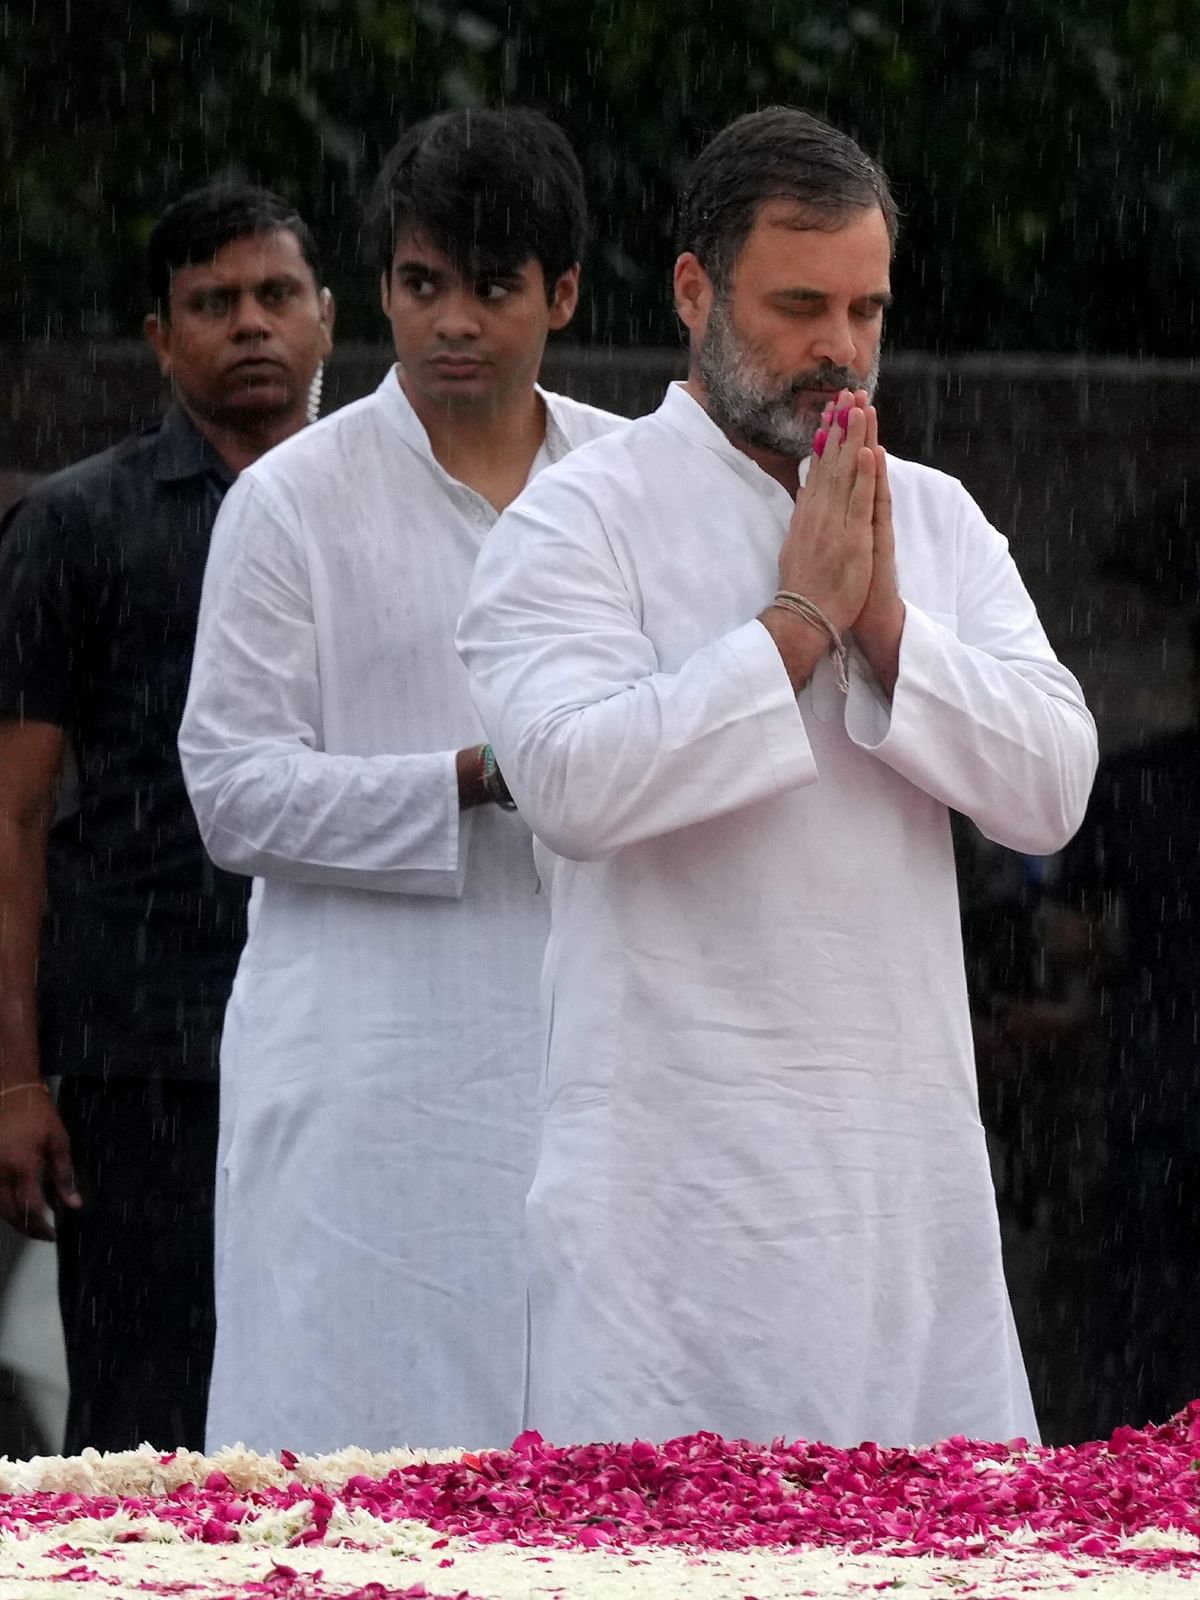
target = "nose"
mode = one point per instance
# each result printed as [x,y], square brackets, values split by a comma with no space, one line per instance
[834,341]
[248,320]
[458,316]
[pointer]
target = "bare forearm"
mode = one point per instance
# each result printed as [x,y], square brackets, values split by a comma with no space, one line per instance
[468,769]
[800,644]
[22,897]
[878,637]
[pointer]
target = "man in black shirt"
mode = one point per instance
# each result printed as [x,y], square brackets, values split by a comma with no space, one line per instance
[118,938]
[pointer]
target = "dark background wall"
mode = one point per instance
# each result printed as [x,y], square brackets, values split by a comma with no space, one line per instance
[1067,457]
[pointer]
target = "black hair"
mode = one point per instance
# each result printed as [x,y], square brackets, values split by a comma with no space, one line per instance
[200,222]
[490,189]
[779,153]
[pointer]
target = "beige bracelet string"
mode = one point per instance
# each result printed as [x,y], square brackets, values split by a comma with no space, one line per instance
[16,1088]
[801,606]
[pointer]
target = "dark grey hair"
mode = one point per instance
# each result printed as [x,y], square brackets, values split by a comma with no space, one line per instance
[779,153]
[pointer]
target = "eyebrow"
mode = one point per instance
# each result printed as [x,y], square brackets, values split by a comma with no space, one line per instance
[426,269]
[807,296]
[272,279]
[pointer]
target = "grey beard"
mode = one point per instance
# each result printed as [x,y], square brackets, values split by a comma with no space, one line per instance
[745,402]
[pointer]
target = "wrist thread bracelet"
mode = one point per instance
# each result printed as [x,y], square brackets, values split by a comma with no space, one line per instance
[801,606]
[16,1088]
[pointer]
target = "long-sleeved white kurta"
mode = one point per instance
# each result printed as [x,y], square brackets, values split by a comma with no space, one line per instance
[762,1203]
[381,1056]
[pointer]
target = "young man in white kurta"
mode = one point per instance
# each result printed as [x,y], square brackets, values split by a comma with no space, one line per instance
[763,1203]
[380,1054]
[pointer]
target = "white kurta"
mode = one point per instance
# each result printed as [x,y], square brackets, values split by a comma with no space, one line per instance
[381,1055]
[763,1203]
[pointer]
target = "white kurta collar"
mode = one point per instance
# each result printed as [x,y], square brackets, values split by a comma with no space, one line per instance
[399,407]
[684,414]
[557,443]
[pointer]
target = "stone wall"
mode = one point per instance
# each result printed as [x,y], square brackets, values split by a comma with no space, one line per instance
[1058,452]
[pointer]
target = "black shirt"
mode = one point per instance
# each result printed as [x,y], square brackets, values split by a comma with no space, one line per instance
[100,574]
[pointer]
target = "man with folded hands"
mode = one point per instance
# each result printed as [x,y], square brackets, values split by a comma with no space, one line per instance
[737,665]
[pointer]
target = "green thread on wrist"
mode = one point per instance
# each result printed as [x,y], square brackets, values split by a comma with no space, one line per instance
[493,782]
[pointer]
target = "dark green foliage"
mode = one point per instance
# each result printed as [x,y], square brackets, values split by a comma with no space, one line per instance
[1045,154]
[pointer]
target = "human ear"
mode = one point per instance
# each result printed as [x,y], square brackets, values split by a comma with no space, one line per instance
[158,336]
[693,292]
[565,298]
[327,313]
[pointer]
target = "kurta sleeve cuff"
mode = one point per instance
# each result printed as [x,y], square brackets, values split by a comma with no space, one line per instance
[440,868]
[785,738]
[456,838]
[873,722]
[1005,739]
